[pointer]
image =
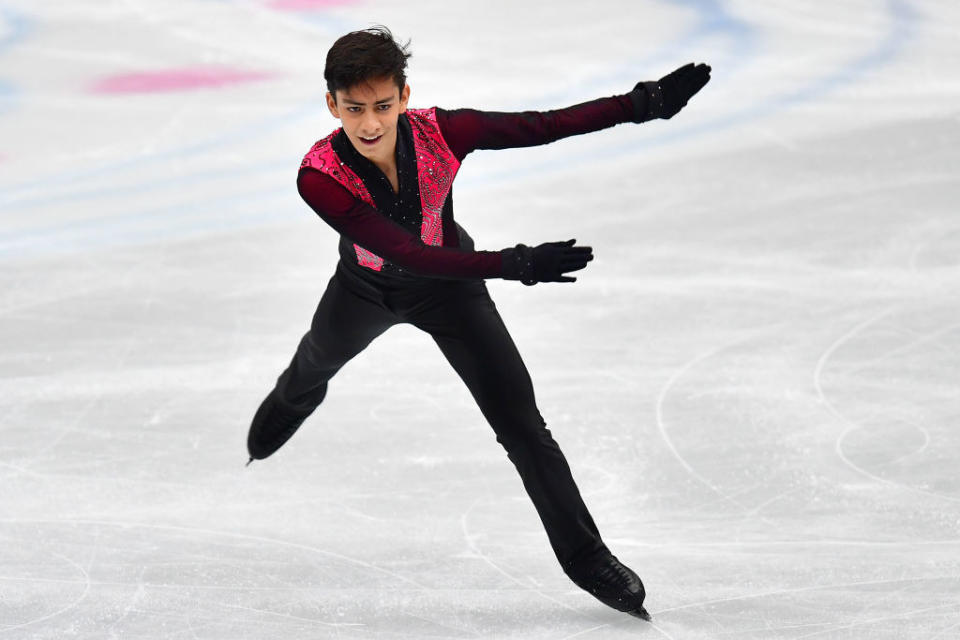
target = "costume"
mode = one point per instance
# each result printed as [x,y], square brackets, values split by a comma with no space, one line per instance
[434,165]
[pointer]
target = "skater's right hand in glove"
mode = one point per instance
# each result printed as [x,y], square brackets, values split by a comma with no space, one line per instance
[665,97]
[544,263]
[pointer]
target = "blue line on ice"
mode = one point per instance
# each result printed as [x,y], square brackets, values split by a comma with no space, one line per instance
[714,20]
[17,26]
[247,131]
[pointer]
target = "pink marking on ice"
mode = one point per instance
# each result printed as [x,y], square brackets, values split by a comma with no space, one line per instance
[175,80]
[308,5]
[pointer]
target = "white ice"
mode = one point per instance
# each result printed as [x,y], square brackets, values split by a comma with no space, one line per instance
[755,382]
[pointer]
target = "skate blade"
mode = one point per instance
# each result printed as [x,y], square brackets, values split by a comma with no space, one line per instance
[641,613]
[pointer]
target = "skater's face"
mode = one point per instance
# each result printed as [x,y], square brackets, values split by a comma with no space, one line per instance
[369,112]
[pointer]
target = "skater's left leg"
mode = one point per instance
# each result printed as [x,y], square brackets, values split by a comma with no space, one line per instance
[465,324]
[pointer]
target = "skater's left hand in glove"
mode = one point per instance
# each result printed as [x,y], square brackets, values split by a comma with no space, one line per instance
[668,95]
[547,262]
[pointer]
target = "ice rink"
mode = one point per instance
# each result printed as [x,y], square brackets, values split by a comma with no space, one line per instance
[756,382]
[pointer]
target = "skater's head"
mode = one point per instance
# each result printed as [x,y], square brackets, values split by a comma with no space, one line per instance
[367,88]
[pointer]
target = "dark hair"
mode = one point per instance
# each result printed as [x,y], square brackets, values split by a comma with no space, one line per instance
[365,55]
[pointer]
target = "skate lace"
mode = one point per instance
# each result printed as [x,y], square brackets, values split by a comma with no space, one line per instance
[616,573]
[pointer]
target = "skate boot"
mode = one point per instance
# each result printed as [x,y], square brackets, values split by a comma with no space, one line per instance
[612,583]
[272,426]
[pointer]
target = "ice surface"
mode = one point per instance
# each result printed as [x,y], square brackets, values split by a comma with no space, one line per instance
[755,382]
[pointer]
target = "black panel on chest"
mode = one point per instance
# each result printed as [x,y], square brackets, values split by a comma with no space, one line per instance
[402,206]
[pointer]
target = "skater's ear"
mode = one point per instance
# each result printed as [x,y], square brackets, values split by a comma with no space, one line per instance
[404,98]
[332,105]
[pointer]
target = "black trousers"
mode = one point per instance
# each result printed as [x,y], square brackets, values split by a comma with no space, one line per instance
[465,324]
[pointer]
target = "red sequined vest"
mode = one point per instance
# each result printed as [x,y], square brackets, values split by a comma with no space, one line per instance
[436,169]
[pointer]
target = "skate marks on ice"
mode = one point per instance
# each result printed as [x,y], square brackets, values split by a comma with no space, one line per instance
[880,397]
[852,426]
[829,627]
[897,353]
[845,525]
[8,624]
[184,574]
[569,597]
[895,607]
[604,630]
[475,549]
[882,346]
[662,426]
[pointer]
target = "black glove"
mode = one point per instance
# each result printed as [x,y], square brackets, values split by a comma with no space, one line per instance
[665,97]
[544,263]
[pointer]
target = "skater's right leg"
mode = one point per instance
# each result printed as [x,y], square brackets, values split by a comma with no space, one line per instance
[466,325]
[351,313]
[349,316]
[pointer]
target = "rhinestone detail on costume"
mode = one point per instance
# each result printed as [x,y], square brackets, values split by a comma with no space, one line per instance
[437,166]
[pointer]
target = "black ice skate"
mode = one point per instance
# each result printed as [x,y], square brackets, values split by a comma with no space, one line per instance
[272,426]
[612,583]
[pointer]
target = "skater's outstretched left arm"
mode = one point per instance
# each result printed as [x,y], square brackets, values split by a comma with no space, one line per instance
[466,130]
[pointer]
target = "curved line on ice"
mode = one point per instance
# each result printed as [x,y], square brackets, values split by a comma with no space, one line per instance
[903,19]
[661,424]
[850,424]
[72,605]
[838,449]
[480,554]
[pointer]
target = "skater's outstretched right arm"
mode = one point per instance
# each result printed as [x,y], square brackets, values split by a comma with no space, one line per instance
[364,225]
